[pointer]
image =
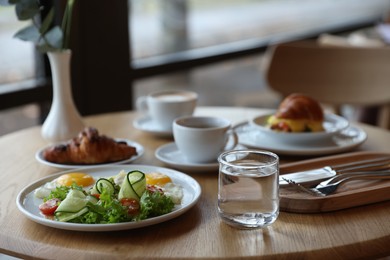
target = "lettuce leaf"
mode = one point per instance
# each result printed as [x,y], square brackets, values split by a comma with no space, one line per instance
[107,210]
[154,204]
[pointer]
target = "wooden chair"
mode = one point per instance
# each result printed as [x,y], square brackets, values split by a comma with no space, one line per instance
[333,75]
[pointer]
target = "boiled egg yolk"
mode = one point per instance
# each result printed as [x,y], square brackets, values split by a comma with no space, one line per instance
[157,179]
[81,179]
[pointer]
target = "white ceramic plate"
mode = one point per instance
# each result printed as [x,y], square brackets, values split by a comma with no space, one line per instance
[147,125]
[346,140]
[332,125]
[28,203]
[170,154]
[139,148]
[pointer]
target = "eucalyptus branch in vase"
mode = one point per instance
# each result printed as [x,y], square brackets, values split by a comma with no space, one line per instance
[44,35]
[63,121]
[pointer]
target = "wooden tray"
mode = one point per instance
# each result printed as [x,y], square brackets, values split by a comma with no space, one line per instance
[351,194]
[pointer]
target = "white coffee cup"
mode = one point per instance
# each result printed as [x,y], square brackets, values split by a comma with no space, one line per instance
[202,139]
[165,106]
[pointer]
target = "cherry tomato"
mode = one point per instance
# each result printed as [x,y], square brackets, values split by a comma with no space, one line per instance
[97,195]
[49,207]
[132,206]
[153,189]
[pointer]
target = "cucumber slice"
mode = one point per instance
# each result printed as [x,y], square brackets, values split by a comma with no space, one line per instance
[74,205]
[92,199]
[66,216]
[74,201]
[101,184]
[133,186]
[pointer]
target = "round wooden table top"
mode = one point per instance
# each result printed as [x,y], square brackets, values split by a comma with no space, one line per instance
[359,232]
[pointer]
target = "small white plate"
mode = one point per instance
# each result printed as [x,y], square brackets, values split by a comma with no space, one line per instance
[28,203]
[333,124]
[139,148]
[346,140]
[170,154]
[147,125]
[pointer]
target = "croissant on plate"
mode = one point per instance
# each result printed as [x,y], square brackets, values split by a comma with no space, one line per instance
[298,113]
[89,148]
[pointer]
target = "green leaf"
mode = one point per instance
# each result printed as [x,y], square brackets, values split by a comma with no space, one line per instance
[29,33]
[26,9]
[59,193]
[51,41]
[8,2]
[55,36]
[114,212]
[154,204]
[4,3]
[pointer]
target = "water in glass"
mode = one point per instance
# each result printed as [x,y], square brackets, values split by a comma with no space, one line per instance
[248,193]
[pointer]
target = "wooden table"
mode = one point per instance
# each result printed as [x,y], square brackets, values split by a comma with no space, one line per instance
[361,232]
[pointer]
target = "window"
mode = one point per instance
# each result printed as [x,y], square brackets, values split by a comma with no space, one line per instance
[17,57]
[193,37]
[163,27]
[17,64]
[228,38]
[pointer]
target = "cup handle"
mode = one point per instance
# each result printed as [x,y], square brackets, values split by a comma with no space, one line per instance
[141,104]
[231,134]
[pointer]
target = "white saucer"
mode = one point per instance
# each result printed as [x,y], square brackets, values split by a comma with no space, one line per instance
[170,154]
[147,125]
[348,139]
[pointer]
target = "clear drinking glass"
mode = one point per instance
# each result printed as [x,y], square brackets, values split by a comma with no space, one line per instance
[248,188]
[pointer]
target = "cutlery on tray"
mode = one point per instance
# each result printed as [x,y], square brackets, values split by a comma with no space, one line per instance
[329,186]
[376,164]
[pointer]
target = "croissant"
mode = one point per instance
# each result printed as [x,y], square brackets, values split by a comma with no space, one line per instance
[298,113]
[89,148]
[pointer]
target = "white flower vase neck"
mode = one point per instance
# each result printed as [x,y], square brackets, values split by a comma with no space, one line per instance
[63,121]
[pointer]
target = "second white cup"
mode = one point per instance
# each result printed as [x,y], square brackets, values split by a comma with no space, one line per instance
[202,139]
[165,106]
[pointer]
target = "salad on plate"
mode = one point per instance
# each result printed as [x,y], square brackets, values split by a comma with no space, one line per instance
[76,197]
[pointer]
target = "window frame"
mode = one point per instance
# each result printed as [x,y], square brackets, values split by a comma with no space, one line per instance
[98,58]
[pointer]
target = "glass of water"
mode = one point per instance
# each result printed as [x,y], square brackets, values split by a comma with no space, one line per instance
[248,188]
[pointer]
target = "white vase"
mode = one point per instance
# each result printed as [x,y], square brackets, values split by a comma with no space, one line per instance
[63,121]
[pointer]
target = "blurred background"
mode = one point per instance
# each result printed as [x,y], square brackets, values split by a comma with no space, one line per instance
[216,48]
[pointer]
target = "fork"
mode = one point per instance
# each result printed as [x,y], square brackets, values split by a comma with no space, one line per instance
[331,188]
[339,177]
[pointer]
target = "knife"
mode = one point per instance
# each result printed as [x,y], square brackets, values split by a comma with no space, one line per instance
[330,171]
[308,176]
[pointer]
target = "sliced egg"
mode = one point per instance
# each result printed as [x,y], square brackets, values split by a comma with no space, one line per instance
[157,178]
[81,179]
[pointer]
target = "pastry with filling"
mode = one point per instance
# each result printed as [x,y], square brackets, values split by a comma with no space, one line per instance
[89,148]
[298,113]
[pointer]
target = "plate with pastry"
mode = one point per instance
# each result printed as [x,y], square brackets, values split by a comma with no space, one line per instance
[298,119]
[347,140]
[90,148]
